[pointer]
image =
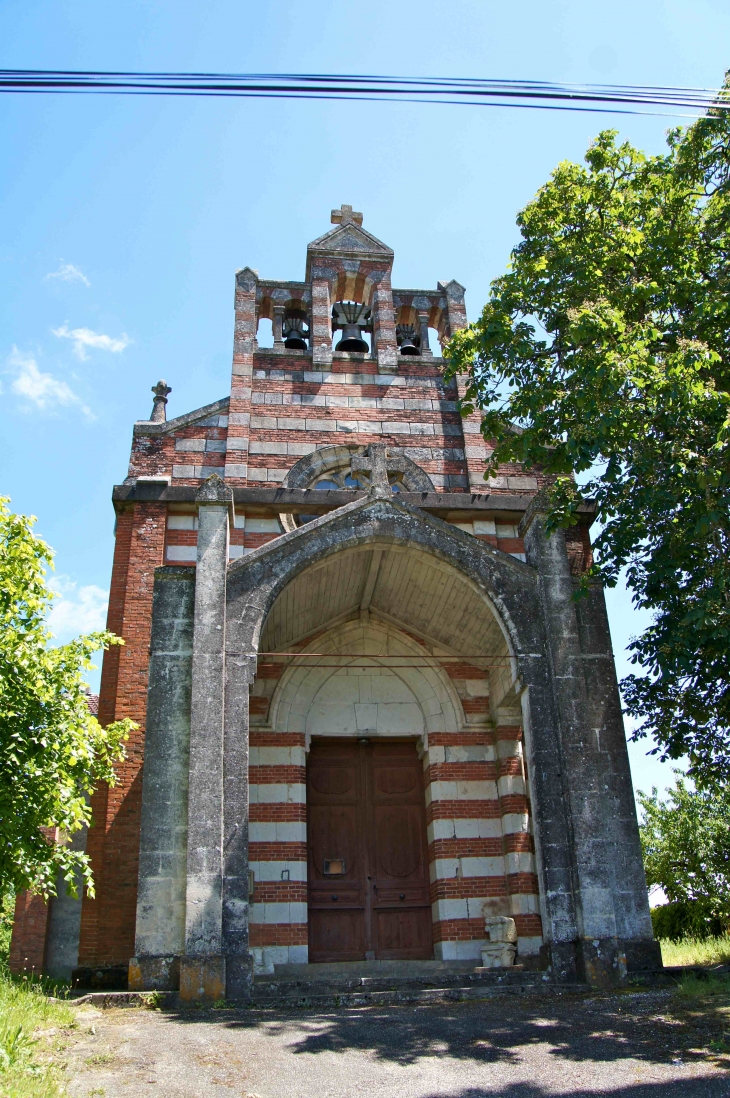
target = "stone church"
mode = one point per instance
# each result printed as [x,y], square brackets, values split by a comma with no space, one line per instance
[370,713]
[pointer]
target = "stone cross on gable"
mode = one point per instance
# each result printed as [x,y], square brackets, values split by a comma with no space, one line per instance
[344,215]
[378,464]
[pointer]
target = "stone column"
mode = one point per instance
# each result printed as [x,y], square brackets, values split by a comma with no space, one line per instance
[202,968]
[160,928]
[611,905]
[321,337]
[426,351]
[277,325]
[244,345]
[240,673]
[385,346]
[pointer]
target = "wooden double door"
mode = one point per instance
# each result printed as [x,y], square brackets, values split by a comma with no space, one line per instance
[368,890]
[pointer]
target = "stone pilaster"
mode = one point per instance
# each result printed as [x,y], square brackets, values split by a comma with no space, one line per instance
[240,673]
[476,451]
[160,929]
[385,347]
[611,906]
[244,345]
[321,337]
[202,968]
[455,305]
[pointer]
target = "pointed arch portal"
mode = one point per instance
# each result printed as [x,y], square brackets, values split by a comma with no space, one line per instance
[380,639]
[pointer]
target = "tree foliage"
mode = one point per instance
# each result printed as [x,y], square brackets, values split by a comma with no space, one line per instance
[52,750]
[686,845]
[604,354]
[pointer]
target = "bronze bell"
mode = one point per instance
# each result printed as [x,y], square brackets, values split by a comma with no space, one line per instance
[295,334]
[352,318]
[352,340]
[406,338]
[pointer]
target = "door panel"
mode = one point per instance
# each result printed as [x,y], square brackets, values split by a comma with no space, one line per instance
[368,870]
[398,853]
[337,869]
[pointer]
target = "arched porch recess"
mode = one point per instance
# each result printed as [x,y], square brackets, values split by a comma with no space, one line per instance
[500,591]
[592,891]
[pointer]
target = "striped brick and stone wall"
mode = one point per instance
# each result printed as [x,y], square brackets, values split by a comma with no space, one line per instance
[480,847]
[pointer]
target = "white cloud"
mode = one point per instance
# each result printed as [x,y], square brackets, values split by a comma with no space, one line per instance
[67,272]
[76,609]
[45,391]
[84,337]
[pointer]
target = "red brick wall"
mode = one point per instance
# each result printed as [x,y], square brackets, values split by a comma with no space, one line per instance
[28,943]
[108,922]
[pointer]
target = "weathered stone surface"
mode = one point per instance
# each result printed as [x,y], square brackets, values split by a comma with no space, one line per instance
[64,922]
[203,928]
[163,841]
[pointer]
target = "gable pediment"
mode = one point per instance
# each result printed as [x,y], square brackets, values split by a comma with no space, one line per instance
[349,239]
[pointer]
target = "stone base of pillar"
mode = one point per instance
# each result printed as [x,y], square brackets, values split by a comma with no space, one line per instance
[154,974]
[202,979]
[239,976]
[602,962]
[387,362]
[611,962]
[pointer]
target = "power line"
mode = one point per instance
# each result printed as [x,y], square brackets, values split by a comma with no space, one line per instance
[545,95]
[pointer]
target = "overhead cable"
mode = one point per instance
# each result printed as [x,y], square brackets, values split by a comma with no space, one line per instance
[614,98]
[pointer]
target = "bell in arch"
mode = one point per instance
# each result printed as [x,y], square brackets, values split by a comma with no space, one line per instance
[407,339]
[295,332]
[353,318]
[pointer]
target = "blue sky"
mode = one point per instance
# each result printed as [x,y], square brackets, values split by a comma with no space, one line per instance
[124,219]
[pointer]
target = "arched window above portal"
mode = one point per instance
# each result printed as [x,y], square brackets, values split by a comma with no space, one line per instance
[331,469]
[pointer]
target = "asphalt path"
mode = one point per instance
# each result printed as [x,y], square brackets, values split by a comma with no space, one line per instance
[633,1045]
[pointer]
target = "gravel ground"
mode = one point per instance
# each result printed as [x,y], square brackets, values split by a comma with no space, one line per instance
[633,1045]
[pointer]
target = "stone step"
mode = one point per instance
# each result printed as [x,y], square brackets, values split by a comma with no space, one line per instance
[343,983]
[318,997]
[386,975]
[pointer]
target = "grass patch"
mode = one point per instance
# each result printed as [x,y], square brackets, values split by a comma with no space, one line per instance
[696,951]
[7,911]
[693,986]
[100,1059]
[33,1030]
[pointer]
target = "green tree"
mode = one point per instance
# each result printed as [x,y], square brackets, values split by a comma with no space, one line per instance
[52,750]
[686,845]
[603,354]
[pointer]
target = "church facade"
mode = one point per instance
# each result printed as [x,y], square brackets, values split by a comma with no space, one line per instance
[370,712]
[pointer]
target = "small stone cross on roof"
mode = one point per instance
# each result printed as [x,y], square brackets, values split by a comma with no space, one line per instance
[345,214]
[376,463]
